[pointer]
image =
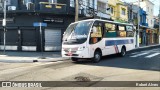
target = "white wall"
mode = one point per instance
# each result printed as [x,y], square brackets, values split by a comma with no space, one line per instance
[107,13]
[85,7]
[149,8]
[95,8]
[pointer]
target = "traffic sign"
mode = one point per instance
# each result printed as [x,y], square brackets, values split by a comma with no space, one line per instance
[4,22]
[37,24]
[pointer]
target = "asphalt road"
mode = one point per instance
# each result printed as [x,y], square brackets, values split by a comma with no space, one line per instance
[135,66]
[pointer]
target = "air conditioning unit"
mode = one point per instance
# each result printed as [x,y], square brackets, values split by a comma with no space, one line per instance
[11,8]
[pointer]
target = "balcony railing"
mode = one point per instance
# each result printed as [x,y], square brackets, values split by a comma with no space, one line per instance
[42,7]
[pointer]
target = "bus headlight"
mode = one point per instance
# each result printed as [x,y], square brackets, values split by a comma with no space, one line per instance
[81,48]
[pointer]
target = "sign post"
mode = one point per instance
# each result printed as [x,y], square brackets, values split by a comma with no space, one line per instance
[40,25]
[4,25]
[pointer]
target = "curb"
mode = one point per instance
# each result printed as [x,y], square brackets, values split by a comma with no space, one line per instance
[145,48]
[51,60]
[35,60]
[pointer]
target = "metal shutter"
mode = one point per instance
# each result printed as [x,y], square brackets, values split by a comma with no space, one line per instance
[29,40]
[11,40]
[52,40]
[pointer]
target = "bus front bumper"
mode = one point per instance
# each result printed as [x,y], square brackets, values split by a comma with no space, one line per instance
[76,54]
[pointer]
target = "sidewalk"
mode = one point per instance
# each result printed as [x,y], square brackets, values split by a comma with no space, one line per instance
[29,57]
[144,47]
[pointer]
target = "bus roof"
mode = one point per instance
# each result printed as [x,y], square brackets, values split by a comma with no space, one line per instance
[102,20]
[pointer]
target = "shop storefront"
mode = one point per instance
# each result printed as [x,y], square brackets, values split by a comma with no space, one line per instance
[23,36]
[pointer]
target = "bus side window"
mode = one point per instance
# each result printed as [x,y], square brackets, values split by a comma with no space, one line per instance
[121,31]
[110,30]
[130,31]
[97,32]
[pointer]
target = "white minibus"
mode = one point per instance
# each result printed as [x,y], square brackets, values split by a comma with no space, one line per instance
[95,38]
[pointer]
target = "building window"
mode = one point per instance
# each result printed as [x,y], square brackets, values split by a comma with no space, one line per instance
[111,9]
[148,9]
[151,22]
[130,32]
[1,4]
[123,11]
[121,32]
[101,7]
[88,3]
[72,3]
[8,2]
[110,30]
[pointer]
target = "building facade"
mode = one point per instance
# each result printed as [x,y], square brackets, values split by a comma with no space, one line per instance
[23,15]
[94,9]
[22,35]
[118,10]
[148,6]
[103,9]
[156,26]
[143,33]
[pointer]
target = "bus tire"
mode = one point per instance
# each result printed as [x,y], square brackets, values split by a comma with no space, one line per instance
[97,56]
[74,59]
[123,52]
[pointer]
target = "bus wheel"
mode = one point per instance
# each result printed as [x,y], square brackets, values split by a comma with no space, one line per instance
[97,57]
[74,59]
[123,52]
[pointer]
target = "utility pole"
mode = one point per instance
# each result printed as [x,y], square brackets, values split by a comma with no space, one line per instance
[159,22]
[76,10]
[137,37]
[4,25]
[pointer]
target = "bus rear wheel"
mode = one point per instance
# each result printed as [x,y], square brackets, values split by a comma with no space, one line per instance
[123,52]
[97,57]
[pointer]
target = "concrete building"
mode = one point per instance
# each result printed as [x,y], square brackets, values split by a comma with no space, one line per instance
[22,35]
[148,6]
[103,9]
[118,10]
[94,8]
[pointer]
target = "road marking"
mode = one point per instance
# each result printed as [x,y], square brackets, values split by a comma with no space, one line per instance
[134,53]
[152,55]
[139,55]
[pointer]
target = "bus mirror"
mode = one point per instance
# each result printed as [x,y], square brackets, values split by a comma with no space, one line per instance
[64,33]
[92,31]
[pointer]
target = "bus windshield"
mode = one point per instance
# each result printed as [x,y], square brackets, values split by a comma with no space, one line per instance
[77,33]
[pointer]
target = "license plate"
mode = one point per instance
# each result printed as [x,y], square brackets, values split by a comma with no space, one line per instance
[69,54]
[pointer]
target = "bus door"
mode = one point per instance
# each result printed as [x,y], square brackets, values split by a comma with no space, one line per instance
[96,37]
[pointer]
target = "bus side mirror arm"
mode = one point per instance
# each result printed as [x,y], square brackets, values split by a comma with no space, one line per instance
[92,31]
[64,33]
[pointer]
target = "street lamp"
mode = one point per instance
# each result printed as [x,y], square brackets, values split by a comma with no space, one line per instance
[4,24]
[159,23]
[77,10]
[137,36]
